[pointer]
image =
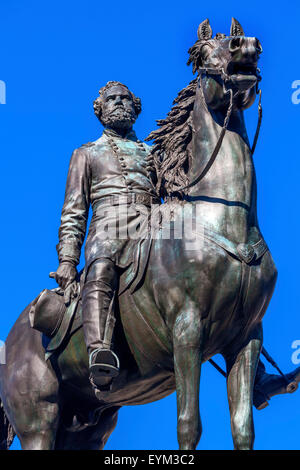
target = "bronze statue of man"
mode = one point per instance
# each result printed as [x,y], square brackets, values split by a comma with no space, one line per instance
[111,171]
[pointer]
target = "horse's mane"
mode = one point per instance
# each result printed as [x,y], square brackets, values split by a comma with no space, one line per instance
[171,152]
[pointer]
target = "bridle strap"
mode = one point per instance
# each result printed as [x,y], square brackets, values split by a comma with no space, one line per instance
[258,123]
[218,145]
[214,155]
[207,71]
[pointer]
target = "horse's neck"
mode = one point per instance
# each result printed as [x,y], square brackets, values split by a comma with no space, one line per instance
[226,196]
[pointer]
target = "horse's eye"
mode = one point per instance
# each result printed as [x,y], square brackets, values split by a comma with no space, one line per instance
[205,51]
[258,47]
[235,44]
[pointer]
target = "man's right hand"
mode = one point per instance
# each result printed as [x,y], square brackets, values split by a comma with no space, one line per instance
[65,274]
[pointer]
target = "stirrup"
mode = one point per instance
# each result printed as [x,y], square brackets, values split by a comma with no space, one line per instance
[104,363]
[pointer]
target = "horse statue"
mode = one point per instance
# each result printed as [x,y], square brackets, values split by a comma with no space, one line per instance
[218,285]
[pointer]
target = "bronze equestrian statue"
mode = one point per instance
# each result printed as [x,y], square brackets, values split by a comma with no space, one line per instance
[179,302]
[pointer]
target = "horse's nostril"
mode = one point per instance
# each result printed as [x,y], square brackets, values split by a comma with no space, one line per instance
[235,44]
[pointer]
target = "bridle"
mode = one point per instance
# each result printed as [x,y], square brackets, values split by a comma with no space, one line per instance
[225,80]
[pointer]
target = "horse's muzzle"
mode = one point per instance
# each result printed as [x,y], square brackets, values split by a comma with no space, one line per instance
[243,81]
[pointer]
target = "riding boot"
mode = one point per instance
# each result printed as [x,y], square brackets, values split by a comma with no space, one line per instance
[98,321]
[268,385]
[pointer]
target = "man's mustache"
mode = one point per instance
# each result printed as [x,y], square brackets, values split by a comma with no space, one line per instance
[121,111]
[118,108]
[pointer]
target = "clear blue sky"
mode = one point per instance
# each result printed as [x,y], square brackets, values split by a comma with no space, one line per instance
[54,58]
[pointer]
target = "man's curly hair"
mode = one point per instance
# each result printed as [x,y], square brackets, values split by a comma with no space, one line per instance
[99,101]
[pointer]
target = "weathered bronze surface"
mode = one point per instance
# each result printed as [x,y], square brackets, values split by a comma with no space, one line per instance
[196,298]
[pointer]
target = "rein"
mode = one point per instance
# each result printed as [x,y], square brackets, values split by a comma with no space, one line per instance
[214,155]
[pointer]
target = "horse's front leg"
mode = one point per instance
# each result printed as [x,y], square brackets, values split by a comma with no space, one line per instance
[241,375]
[187,340]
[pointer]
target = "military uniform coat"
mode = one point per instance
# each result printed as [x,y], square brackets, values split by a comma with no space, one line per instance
[110,166]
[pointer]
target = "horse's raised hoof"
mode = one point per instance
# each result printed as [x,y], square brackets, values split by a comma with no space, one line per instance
[104,367]
[260,400]
[292,387]
[271,385]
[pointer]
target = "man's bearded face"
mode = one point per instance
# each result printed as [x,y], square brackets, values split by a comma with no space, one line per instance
[118,108]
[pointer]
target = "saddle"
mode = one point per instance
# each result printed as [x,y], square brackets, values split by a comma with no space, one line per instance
[49,314]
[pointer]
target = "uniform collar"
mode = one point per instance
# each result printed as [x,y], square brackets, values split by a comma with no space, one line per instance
[131,135]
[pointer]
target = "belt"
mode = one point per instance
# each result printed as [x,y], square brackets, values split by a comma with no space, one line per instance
[131,198]
[246,252]
[250,252]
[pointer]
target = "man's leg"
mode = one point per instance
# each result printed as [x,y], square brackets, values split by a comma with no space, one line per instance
[98,319]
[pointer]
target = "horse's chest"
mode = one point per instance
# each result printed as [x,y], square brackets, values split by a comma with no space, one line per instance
[232,177]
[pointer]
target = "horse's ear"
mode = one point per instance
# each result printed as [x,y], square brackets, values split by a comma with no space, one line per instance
[204,30]
[236,29]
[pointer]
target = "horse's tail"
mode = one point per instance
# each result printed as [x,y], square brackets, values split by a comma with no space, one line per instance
[7,433]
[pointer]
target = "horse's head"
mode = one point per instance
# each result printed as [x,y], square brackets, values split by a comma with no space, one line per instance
[230,60]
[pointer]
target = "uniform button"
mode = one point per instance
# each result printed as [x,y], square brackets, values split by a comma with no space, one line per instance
[125,173]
